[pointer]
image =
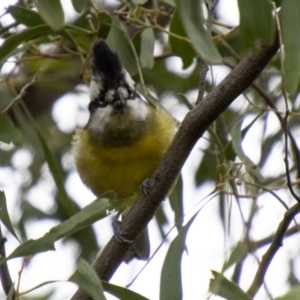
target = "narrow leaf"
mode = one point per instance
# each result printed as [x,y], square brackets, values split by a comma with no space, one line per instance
[179,47]
[290,24]
[221,286]
[64,199]
[191,15]
[170,282]
[25,16]
[176,202]
[4,216]
[256,22]
[79,5]
[293,294]
[11,293]
[147,47]
[8,133]
[87,280]
[15,40]
[236,255]
[121,292]
[85,217]
[52,13]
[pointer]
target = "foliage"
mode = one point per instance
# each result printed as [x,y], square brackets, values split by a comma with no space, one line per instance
[250,153]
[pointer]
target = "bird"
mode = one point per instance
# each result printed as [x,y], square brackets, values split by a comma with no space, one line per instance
[125,137]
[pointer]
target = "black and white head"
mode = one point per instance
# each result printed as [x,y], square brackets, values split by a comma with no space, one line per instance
[115,105]
[111,84]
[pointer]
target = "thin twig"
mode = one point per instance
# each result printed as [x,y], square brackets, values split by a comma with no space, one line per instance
[287,113]
[274,247]
[286,160]
[22,93]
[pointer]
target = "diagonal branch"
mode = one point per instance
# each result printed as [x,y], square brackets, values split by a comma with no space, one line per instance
[191,130]
[274,247]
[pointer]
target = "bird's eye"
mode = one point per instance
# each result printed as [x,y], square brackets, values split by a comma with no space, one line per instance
[130,92]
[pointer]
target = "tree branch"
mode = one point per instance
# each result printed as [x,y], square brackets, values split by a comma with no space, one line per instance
[191,130]
[274,247]
[6,281]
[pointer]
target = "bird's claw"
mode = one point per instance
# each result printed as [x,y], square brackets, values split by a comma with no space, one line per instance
[145,186]
[116,225]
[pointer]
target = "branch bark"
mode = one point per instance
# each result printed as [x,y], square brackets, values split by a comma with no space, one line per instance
[274,247]
[191,130]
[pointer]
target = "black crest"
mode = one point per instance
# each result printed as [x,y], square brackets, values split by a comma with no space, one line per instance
[105,61]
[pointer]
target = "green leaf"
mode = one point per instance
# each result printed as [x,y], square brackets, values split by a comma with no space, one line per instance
[64,199]
[180,47]
[147,47]
[79,5]
[25,16]
[290,24]
[91,213]
[236,255]
[87,280]
[221,286]
[293,294]
[191,15]
[4,216]
[170,282]
[256,22]
[176,202]
[119,41]
[8,132]
[121,292]
[183,99]
[15,40]
[52,13]
[11,293]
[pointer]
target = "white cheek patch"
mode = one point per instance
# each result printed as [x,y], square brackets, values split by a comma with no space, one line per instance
[95,87]
[139,107]
[128,79]
[100,119]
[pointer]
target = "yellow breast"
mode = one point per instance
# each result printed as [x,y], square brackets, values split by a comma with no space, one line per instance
[123,168]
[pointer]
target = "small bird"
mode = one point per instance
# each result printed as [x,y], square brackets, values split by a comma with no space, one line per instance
[125,137]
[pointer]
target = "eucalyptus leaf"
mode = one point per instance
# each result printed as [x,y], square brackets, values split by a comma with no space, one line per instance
[16,39]
[170,282]
[25,16]
[191,15]
[4,216]
[52,13]
[79,5]
[147,47]
[256,22]
[290,23]
[8,132]
[222,287]
[87,280]
[93,212]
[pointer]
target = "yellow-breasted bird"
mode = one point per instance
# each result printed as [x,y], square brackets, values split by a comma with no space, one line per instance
[125,137]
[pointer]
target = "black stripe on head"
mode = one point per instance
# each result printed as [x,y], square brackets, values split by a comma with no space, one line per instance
[106,62]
